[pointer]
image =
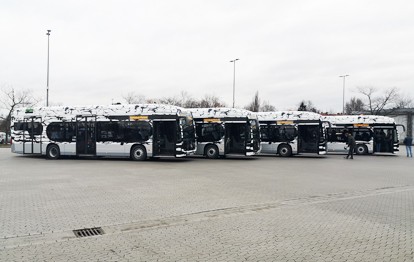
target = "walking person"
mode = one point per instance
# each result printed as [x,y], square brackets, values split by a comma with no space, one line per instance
[408,141]
[351,145]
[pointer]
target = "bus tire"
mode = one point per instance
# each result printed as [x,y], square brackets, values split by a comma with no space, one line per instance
[284,150]
[53,152]
[211,152]
[138,153]
[361,150]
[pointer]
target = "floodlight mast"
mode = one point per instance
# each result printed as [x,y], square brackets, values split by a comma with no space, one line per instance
[343,94]
[47,81]
[234,80]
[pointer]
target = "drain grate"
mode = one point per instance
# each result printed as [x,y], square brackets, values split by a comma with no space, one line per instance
[89,232]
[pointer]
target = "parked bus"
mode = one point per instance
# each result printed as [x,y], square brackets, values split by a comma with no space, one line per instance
[136,131]
[292,132]
[373,134]
[223,131]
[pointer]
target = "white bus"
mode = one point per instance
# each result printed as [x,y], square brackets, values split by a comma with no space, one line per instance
[136,131]
[373,134]
[223,131]
[292,132]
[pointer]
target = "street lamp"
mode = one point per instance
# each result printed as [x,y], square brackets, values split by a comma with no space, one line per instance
[47,85]
[343,94]
[234,79]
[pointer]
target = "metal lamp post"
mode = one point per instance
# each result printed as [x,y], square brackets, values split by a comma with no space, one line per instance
[234,79]
[343,94]
[47,83]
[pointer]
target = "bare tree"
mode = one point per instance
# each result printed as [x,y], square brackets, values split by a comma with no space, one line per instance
[355,105]
[254,106]
[404,101]
[257,105]
[10,100]
[183,100]
[307,106]
[380,103]
[266,107]
[172,100]
[133,98]
[211,101]
[187,101]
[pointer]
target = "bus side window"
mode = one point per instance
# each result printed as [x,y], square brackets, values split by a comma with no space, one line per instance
[69,131]
[274,133]
[332,136]
[209,132]
[34,129]
[264,133]
[55,131]
[289,133]
[110,131]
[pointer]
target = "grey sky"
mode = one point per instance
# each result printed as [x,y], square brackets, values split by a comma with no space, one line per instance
[288,50]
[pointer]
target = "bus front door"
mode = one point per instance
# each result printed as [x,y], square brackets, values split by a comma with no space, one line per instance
[32,139]
[235,138]
[86,135]
[308,138]
[164,137]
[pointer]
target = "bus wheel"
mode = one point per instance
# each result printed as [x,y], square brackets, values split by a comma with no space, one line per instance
[284,150]
[53,152]
[138,153]
[212,152]
[361,149]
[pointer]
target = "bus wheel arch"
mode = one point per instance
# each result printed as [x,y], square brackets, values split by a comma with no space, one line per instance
[361,149]
[211,151]
[284,150]
[138,153]
[53,151]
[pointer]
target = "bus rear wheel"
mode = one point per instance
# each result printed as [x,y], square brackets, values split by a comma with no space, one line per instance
[138,153]
[212,152]
[361,150]
[284,150]
[53,152]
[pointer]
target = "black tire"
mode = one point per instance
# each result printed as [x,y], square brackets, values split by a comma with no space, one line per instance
[361,150]
[211,152]
[53,152]
[138,153]
[284,150]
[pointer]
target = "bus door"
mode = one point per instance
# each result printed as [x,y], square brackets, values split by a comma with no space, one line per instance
[164,137]
[384,139]
[32,138]
[235,138]
[86,135]
[308,138]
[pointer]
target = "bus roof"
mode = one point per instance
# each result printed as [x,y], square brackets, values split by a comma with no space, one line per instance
[221,112]
[105,110]
[359,119]
[287,115]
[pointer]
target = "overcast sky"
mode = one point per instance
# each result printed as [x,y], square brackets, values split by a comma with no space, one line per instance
[288,50]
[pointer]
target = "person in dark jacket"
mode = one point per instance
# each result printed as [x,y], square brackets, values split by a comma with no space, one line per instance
[351,145]
[408,141]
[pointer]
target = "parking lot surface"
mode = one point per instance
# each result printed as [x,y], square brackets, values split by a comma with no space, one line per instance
[263,208]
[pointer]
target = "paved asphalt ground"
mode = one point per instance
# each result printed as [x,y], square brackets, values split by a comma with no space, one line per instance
[253,209]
